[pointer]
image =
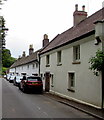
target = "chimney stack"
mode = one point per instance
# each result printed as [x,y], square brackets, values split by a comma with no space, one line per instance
[45,40]
[76,7]
[83,8]
[31,50]
[24,54]
[79,15]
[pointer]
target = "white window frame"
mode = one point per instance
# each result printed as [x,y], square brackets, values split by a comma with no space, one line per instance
[33,65]
[52,82]
[76,53]
[59,57]
[47,60]
[28,66]
[36,64]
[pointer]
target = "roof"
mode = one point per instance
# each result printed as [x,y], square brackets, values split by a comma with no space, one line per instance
[25,60]
[84,27]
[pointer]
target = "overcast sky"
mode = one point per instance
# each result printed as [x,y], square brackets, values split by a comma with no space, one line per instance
[29,20]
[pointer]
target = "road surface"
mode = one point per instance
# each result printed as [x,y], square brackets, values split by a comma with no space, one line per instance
[16,104]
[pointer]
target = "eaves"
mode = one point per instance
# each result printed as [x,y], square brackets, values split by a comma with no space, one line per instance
[71,41]
[25,63]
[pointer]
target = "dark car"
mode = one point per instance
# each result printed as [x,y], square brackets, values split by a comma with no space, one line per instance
[33,83]
[17,80]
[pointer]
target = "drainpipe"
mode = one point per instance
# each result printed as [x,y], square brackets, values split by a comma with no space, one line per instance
[39,64]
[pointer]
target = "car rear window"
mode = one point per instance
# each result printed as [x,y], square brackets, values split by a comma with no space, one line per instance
[34,79]
[18,77]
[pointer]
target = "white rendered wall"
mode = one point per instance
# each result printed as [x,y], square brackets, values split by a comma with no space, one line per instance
[87,85]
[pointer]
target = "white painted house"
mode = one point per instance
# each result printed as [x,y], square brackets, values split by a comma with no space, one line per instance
[64,62]
[28,65]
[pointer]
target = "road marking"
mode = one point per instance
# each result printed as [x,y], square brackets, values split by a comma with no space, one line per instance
[45,113]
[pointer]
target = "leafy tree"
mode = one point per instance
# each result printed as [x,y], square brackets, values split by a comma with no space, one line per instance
[97,62]
[7,60]
[4,70]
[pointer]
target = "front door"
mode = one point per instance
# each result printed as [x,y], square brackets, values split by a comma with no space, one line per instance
[47,81]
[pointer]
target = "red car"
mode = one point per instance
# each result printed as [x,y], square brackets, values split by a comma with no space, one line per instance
[31,83]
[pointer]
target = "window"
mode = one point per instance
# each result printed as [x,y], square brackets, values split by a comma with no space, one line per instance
[76,53]
[33,66]
[71,81]
[59,57]
[36,65]
[27,66]
[52,80]
[47,60]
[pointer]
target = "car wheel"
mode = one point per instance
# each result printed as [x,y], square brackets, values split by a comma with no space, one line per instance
[41,91]
[19,86]
[24,89]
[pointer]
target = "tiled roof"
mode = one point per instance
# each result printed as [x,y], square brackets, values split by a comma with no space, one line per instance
[25,60]
[84,27]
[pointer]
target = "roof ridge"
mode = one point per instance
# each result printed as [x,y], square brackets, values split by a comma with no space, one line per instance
[76,31]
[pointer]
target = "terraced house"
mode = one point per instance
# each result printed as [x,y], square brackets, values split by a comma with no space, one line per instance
[28,65]
[64,62]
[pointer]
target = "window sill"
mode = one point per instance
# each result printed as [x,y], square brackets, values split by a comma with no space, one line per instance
[59,64]
[71,90]
[47,65]
[76,62]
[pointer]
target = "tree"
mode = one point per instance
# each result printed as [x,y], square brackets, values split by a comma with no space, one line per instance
[7,60]
[97,62]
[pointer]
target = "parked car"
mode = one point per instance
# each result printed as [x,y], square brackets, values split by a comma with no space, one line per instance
[31,83]
[17,80]
[8,76]
[11,79]
[4,76]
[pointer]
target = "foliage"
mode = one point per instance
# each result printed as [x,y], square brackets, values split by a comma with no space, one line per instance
[7,60]
[4,70]
[97,62]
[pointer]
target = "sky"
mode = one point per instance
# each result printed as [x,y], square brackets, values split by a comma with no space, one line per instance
[29,20]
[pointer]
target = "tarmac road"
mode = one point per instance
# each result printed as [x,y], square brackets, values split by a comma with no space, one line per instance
[16,104]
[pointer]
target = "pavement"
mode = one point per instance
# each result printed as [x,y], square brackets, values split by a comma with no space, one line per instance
[95,112]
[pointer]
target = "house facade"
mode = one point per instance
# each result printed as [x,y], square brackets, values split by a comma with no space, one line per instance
[28,65]
[64,62]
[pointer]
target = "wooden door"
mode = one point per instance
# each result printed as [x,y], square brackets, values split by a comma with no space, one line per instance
[47,81]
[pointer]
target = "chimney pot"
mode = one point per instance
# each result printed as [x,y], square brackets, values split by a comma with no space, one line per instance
[79,15]
[45,36]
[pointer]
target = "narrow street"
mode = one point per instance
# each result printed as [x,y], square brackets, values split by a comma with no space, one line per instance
[16,104]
